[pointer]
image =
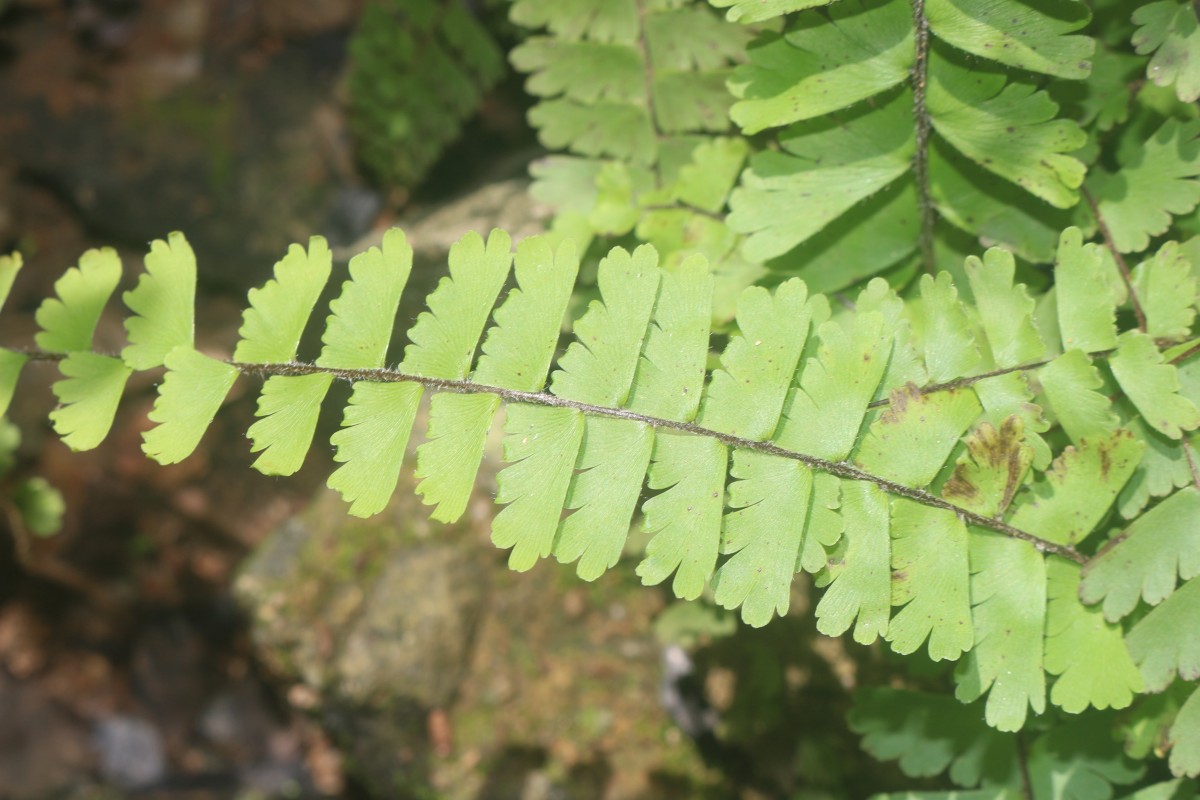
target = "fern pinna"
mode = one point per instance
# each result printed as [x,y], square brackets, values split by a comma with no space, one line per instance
[899,450]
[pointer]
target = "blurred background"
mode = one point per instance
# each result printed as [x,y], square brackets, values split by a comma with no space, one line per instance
[202,631]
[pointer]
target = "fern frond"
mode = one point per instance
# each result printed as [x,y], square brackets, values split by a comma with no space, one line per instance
[1169,30]
[893,449]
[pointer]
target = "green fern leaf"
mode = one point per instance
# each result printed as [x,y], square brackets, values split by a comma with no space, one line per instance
[1152,386]
[858,575]
[371,444]
[1163,469]
[994,467]
[1079,760]
[1086,652]
[928,734]
[1143,560]
[288,407]
[10,265]
[1005,310]
[1184,739]
[1008,129]
[764,534]
[89,394]
[600,20]
[1082,484]
[1069,383]
[1164,642]
[68,321]
[39,505]
[818,66]
[1086,309]
[1167,291]
[1169,30]
[587,72]
[826,167]
[824,414]
[278,312]
[939,323]
[1008,597]
[911,441]
[748,11]
[359,330]
[745,398]
[271,328]
[163,304]
[189,396]
[1160,181]
[1015,34]
[929,582]
[11,363]
[685,520]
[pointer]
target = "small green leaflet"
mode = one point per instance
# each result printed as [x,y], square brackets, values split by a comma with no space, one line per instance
[1086,652]
[89,394]
[1071,498]
[1167,291]
[68,321]
[818,65]
[748,11]
[987,477]
[859,569]
[824,414]
[444,338]
[1169,30]
[1008,597]
[40,506]
[929,734]
[686,518]
[540,446]
[288,407]
[911,441]
[940,326]
[1017,34]
[603,493]
[371,444]
[1079,760]
[1164,642]
[598,367]
[1005,310]
[10,369]
[929,581]
[1145,560]
[769,501]
[279,310]
[1007,128]
[1184,738]
[163,305]
[359,330]
[597,20]
[1070,383]
[1158,182]
[1152,386]
[10,265]
[825,168]
[1086,310]
[670,374]
[448,461]
[745,397]
[191,392]
[519,347]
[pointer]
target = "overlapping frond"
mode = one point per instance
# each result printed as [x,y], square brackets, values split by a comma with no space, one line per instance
[891,450]
[915,122]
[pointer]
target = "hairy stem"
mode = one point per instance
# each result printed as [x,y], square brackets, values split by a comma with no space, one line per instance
[921,120]
[1126,275]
